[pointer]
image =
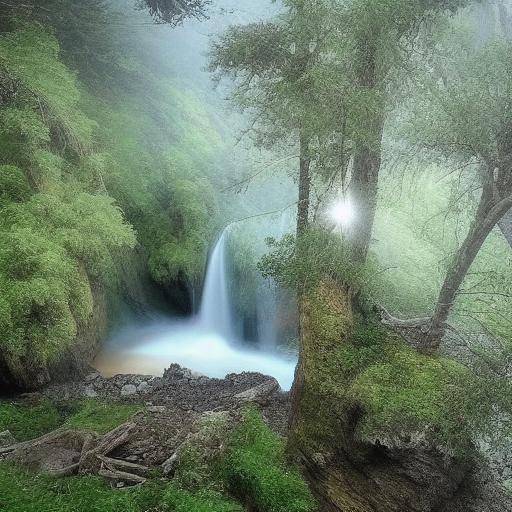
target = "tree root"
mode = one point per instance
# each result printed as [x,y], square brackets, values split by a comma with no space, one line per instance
[415,331]
[66,452]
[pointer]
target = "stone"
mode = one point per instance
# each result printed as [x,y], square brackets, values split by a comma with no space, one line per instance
[260,393]
[143,387]
[6,439]
[170,464]
[128,389]
[92,376]
[156,409]
[90,392]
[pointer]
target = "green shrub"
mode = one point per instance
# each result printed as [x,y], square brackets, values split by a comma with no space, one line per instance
[315,256]
[256,470]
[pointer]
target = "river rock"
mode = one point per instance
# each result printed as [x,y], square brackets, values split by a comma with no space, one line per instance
[128,389]
[260,393]
[6,439]
[143,387]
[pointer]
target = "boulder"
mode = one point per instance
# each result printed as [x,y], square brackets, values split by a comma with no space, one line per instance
[259,394]
[128,390]
[6,439]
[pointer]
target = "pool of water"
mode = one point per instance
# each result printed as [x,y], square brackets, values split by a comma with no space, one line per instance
[149,349]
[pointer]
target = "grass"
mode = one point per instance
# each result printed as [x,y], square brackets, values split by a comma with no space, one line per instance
[252,468]
[180,500]
[27,422]
[256,469]
[99,416]
[26,492]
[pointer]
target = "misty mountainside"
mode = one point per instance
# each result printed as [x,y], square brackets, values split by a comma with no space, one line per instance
[197,193]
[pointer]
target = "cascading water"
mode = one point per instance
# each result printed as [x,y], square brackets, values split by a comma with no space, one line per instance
[206,343]
[215,313]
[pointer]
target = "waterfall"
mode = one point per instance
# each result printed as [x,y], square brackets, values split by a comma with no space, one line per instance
[215,312]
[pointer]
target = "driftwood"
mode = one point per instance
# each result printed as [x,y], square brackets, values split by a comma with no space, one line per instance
[65,452]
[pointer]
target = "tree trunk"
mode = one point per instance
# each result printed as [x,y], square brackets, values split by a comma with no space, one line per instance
[302,225]
[488,216]
[304,185]
[505,225]
[367,155]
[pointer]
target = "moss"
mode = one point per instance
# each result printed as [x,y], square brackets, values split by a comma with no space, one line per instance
[359,374]
[408,392]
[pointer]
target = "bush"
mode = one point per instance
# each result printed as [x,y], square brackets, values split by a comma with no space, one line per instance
[315,256]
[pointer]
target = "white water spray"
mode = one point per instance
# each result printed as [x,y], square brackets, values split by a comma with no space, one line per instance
[206,343]
[215,313]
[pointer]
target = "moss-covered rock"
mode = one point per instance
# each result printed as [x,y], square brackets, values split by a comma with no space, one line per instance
[377,425]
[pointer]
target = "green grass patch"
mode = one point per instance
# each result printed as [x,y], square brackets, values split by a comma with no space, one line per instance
[26,492]
[256,469]
[180,500]
[26,421]
[99,416]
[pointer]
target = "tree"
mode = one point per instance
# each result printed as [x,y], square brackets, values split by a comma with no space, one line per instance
[174,12]
[271,63]
[471,106]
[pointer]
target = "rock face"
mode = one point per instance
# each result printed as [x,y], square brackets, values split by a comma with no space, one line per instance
[401,481]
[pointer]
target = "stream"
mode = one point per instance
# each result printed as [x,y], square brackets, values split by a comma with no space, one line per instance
[205,343]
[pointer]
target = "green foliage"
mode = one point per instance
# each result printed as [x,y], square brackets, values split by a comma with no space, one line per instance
[28,422]
[54,247]
[316,255]
[99,416]
[59,234]
[256,469]
[14,186]
[29,55]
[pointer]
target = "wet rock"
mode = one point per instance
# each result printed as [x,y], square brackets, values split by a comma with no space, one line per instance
[128,390]
[260,393]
